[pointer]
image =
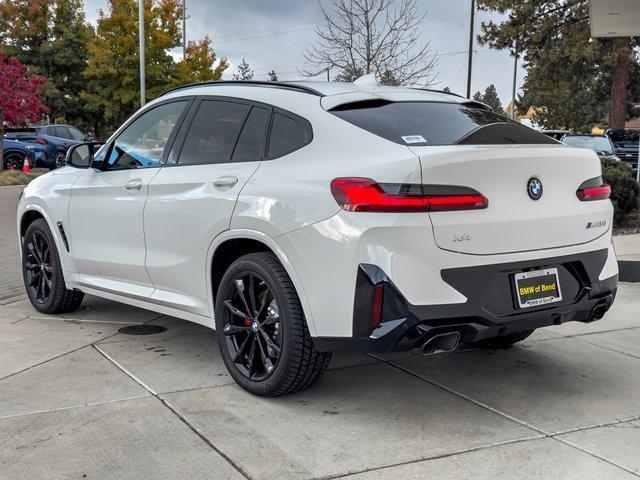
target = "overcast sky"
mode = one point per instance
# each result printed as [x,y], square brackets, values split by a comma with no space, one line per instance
[270,34]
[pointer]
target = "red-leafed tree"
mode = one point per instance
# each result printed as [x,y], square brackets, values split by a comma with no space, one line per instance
[20,96]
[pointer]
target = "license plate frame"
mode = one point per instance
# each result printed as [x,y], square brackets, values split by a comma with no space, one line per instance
[541,282]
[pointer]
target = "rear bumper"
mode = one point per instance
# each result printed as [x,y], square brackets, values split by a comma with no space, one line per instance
[489,311]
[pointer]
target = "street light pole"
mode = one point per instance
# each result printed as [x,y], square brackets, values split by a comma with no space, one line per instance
[143,95]
[184,29]
[470,65]
[515,78]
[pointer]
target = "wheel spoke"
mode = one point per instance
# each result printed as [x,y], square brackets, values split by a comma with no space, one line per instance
[266,361]
[274,349]
[48,270]
[240,353]
[252,296]
[252,357]
[32,267]
[241,290]
[266,300]
[35,279]
[234,311]
[41,288]
[230,329]
[32,251]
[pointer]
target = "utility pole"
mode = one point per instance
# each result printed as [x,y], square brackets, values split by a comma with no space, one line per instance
[143,89]
[470,65]
[328,80]
[184,29]
[515,77]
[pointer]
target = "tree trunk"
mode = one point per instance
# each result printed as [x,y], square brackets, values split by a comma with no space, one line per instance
[620,82]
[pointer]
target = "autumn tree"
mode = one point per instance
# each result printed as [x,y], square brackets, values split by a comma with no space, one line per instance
[244,71]
[573,80]
[359,37]
[490,97]
[50,37]
[20,96]
[199,64]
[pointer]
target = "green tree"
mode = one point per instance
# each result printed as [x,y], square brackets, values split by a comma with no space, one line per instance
[490,97]
[112,71]
[244,71]
[573,80]
[272,76]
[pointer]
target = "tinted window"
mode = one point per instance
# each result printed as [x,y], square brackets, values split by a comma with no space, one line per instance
[142,143]
[213,132]
[63,132]
[76,134]
[251,141]
[432,123]
[287,135]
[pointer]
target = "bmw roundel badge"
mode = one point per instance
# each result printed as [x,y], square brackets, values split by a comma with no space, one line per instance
[534,188]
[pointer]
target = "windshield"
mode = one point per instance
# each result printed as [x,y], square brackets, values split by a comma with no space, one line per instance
[594,143]
[436,123]
[625,136]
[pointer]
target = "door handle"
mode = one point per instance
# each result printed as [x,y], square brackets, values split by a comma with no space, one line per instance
[135,184]
[229,181]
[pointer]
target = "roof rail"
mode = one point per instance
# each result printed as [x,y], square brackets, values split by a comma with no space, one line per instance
[250,83]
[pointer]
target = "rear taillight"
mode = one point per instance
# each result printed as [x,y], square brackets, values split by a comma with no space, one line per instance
[366,195]
[593,189]
[41,141]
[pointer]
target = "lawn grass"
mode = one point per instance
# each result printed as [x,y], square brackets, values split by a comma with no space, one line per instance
[8,178]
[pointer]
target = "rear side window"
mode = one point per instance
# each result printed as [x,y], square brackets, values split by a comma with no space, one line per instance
[437,123]
[287,135]
[251,142]
[213,133]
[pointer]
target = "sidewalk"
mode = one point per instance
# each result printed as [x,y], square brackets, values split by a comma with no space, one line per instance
[627,247]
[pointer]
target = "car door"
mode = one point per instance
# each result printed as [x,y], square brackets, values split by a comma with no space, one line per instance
[106,208]
[192,198]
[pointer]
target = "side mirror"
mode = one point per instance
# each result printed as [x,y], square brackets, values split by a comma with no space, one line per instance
[82,154]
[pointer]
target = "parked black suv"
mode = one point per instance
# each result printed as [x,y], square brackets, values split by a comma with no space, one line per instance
[625,141]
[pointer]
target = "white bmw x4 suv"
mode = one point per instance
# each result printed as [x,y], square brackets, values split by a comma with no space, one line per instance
[298,219]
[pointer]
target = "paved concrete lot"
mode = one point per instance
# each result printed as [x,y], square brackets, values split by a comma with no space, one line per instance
[80,400]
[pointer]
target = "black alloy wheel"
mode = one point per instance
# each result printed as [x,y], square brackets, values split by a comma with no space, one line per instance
[252,327]
[38,268]
[42,272]
[262,331]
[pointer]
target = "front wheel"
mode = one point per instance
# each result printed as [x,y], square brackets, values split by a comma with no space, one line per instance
[42,272]
[262,333]
[60,160]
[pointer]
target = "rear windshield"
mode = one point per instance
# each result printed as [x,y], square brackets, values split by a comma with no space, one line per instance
[437,123]
[594,143]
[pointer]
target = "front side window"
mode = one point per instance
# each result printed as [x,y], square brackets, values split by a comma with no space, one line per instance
[76,134]
[437,123]
[142,143]
[213,132]
[287,135]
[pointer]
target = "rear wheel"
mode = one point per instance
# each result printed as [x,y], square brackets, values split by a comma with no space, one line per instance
[13,160]
[42,272]
[262,333]
[507,340]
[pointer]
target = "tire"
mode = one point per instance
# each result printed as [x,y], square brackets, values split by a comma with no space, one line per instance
[13,159]
[42,272]
[283,359]
[59,160]
[506,341]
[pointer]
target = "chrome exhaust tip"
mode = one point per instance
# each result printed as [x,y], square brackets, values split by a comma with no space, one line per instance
[441,343]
